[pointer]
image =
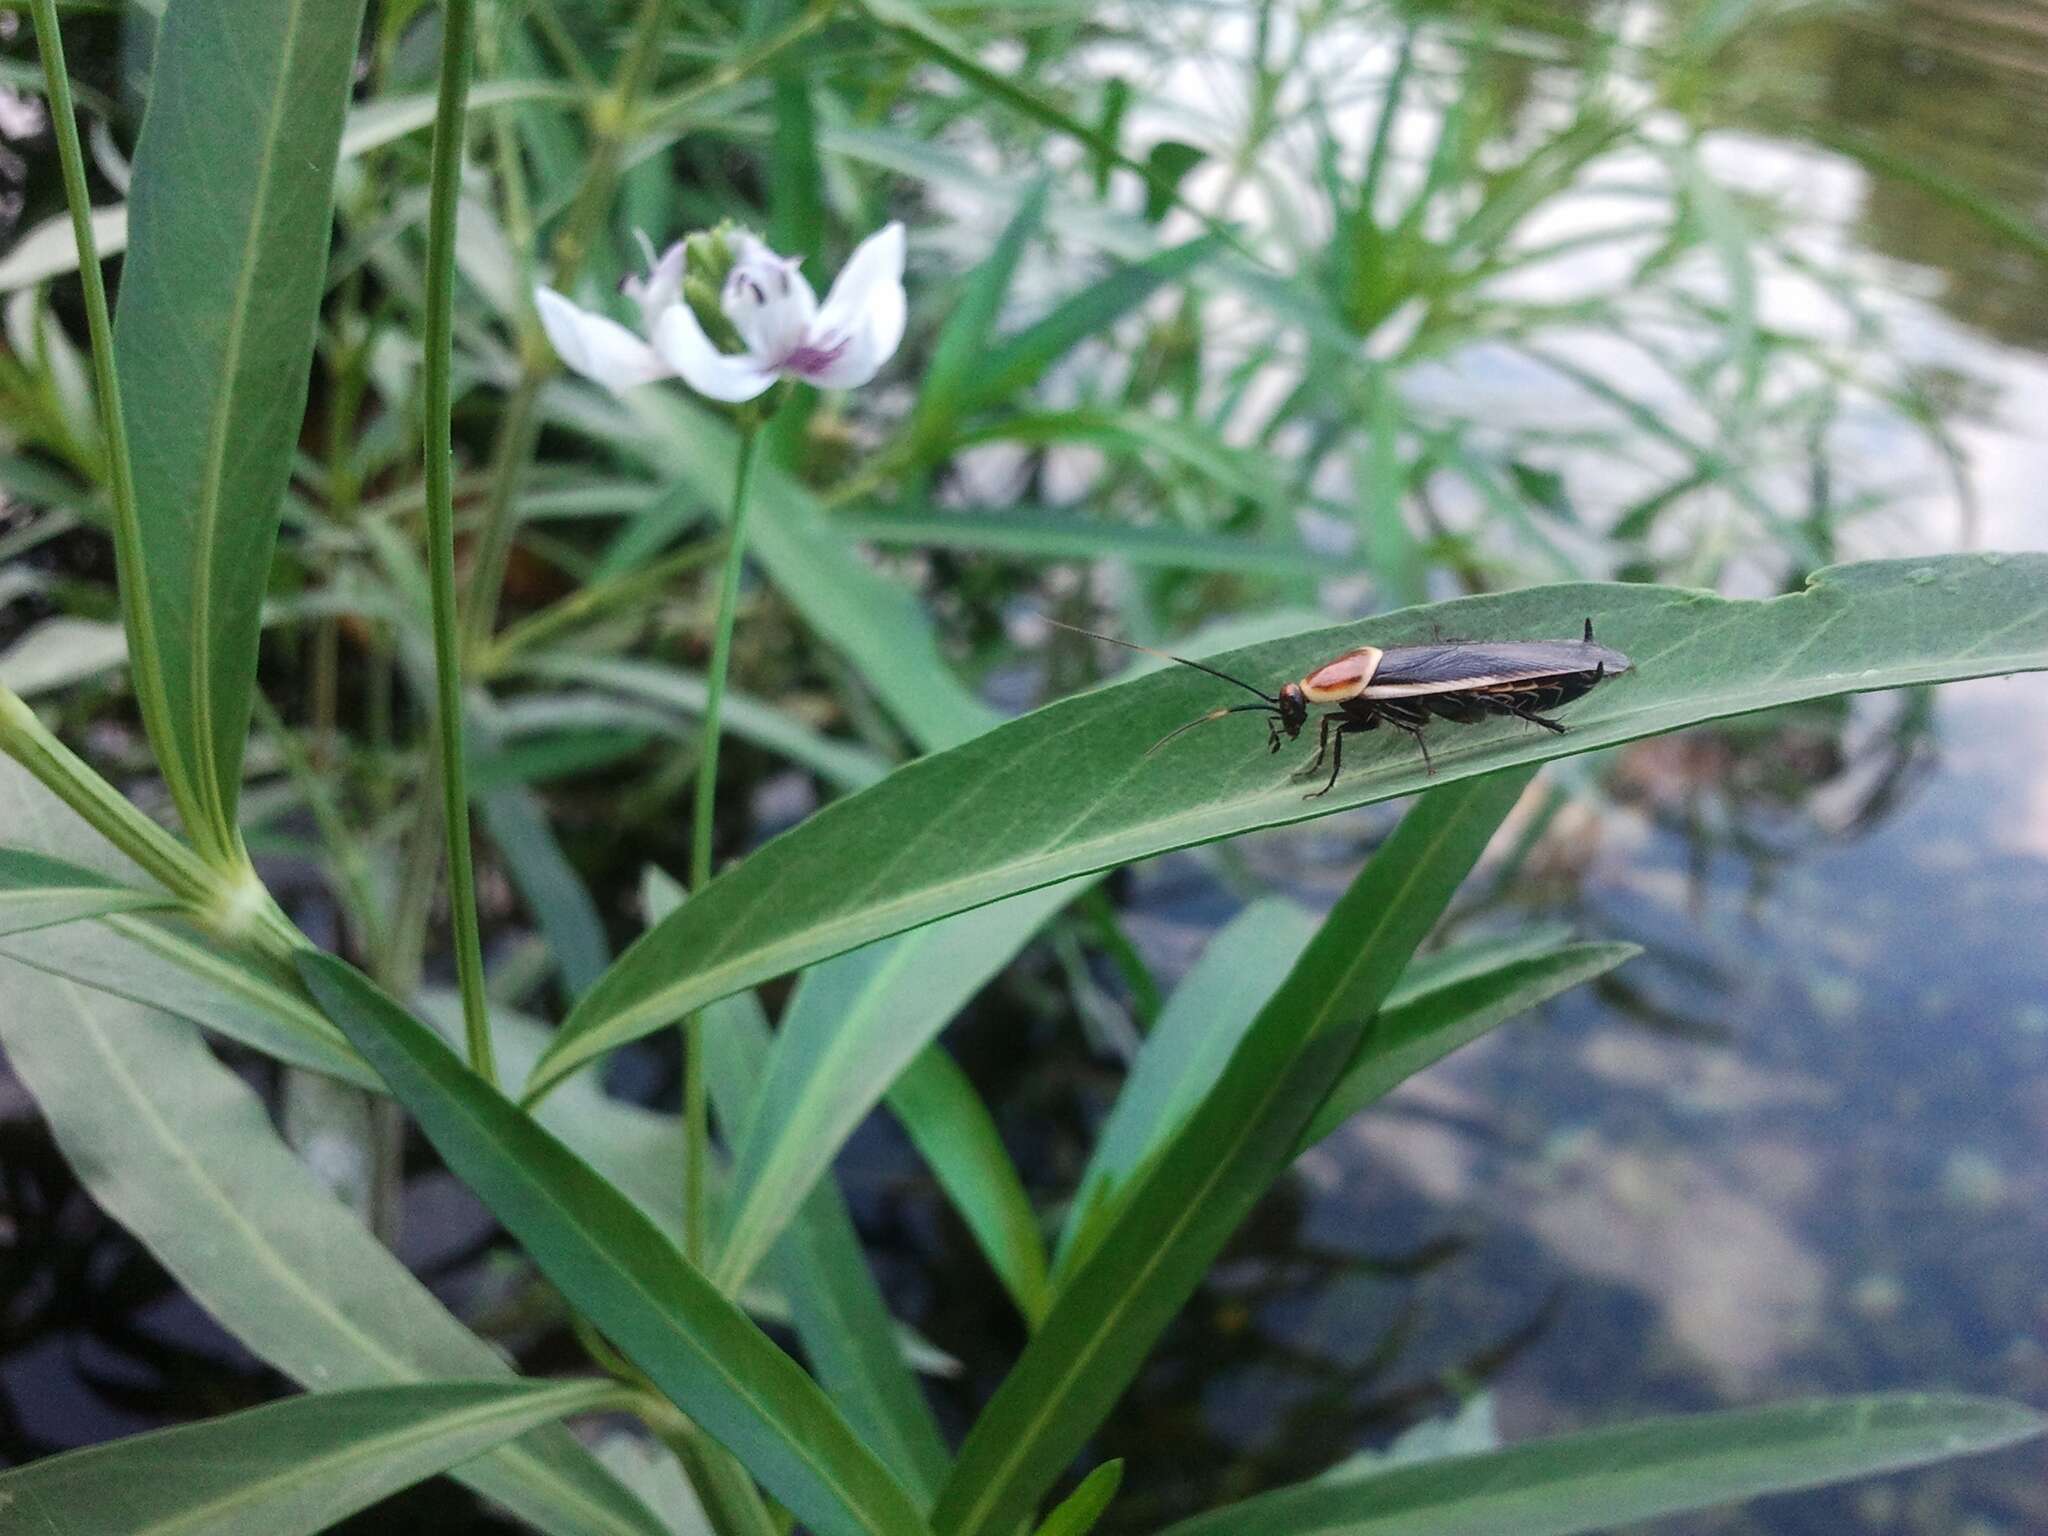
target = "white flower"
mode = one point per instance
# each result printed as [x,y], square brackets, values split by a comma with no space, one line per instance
[787,333]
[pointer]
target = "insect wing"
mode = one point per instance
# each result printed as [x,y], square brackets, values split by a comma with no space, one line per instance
[1407,671]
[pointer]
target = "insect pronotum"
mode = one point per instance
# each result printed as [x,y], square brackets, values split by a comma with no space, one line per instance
[1463,681]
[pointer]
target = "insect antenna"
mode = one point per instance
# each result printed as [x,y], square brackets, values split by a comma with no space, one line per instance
[1169,656]
[1214,714]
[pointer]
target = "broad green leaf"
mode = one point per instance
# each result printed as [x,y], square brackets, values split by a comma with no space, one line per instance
[1079,1510]
[956,1136]
[291,1468]
[619,1270]
[1611,1477]
[1409,1036]
[220,293]
[1183,1206]
[1198,1030]
[962,343]
[835,1303]
[1069,788]
[37,891]
[852,1028]
[175,1147]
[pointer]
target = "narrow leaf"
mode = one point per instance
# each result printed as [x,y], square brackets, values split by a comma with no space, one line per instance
[1078,1512]
[1610,1477]
[1068,789]
[1406,1038]
[620,1271]
[220,292]
[1019,361]
[840,1317]
[955,1135]
[41,892]
[291,1468]
[962,346]
[1181,1209]
[850,1031]
[1198,1031]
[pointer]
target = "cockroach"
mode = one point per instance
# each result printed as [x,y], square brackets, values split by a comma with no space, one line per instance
[1463,681]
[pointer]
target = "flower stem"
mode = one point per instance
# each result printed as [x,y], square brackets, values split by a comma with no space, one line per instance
[696,1107]
[458,40]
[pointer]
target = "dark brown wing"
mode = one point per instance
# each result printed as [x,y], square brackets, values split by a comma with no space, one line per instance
[1406,671]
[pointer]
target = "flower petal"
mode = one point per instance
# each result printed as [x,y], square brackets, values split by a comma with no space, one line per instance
[769,302]
[596,347]
[663,284]
[688,352]
[872,277]
[861,323]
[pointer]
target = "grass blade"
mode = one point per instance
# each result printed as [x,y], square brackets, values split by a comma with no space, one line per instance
[1068,790]
[617,1268]
[291,1468]
[1596,1481]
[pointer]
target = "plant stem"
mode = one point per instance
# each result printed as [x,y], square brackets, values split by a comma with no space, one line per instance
[613,121]
[135,611]
[458,39]
[696,1097]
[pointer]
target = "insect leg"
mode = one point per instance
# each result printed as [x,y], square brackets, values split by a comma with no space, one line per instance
[1322,749]
[1556,728]
[1337,763]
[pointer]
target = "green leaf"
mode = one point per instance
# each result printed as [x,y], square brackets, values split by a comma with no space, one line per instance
[1169,162]
[956,1136]
[851,1029]
[1409,1036]
[1017,362]
[1078,1512]
[37,891]
[840,1317]
[839,763]
[220,292]
[1610,1477]
[1181,1209]
[962,344]
[1208,1015]
[291,1468]
[1069,788]
[174,1146]
[620,1271]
